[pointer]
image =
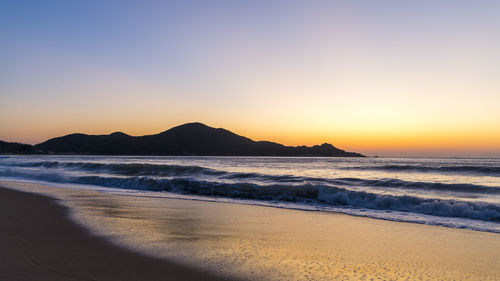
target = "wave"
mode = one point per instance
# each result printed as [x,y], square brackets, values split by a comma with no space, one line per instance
[436,186]
[126,169]
[484,170]
[312,194]
[157,170]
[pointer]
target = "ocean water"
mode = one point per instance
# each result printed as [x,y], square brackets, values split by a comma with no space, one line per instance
[458,193]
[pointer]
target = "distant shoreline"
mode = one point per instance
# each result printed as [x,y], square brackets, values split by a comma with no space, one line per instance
[144,155]
[167,155]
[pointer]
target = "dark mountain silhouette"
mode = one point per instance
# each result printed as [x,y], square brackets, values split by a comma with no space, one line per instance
[187,139]
[16,148]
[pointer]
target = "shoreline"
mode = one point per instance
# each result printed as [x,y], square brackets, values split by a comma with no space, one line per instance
[261,243]
[40,242]
[377,214]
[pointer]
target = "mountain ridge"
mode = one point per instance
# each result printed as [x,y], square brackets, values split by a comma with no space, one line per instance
[190,139]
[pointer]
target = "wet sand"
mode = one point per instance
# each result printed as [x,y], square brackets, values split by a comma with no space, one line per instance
[38,242]
[262,243]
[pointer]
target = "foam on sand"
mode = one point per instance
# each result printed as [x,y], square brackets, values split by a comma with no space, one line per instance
[258,243]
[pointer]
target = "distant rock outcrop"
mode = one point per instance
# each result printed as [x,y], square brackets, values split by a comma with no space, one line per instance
[187,139]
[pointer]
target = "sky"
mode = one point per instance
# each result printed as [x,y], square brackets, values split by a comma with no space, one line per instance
[387,78]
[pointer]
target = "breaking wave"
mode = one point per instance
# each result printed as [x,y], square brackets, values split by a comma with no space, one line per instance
[127,169]
[156,170]
[303,193]
[422,191]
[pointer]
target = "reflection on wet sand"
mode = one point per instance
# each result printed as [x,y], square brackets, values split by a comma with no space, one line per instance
[262,243]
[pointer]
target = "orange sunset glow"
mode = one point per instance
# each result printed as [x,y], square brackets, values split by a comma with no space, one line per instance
[277,140]
[303,76]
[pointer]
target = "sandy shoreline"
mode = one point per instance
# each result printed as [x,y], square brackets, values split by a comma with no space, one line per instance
[250,242]
[39,242]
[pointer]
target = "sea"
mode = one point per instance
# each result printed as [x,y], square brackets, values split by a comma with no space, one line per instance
[456,193]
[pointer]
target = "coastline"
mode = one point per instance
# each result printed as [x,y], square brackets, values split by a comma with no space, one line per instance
[266,243]
[39,242]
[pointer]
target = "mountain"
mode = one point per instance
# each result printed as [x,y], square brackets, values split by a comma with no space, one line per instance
[187,139]
[16,148]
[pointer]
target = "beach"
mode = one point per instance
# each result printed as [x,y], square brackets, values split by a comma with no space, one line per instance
[228,239]
[249,140]
[39,242]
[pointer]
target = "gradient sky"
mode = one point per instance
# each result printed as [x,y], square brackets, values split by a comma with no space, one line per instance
[389,78]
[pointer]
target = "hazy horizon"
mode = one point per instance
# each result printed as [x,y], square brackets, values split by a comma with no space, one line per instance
[386,78]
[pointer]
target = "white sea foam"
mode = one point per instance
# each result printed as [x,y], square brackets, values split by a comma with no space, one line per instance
[452,204]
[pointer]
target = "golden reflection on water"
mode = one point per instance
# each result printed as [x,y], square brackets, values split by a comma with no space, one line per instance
[262,243]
